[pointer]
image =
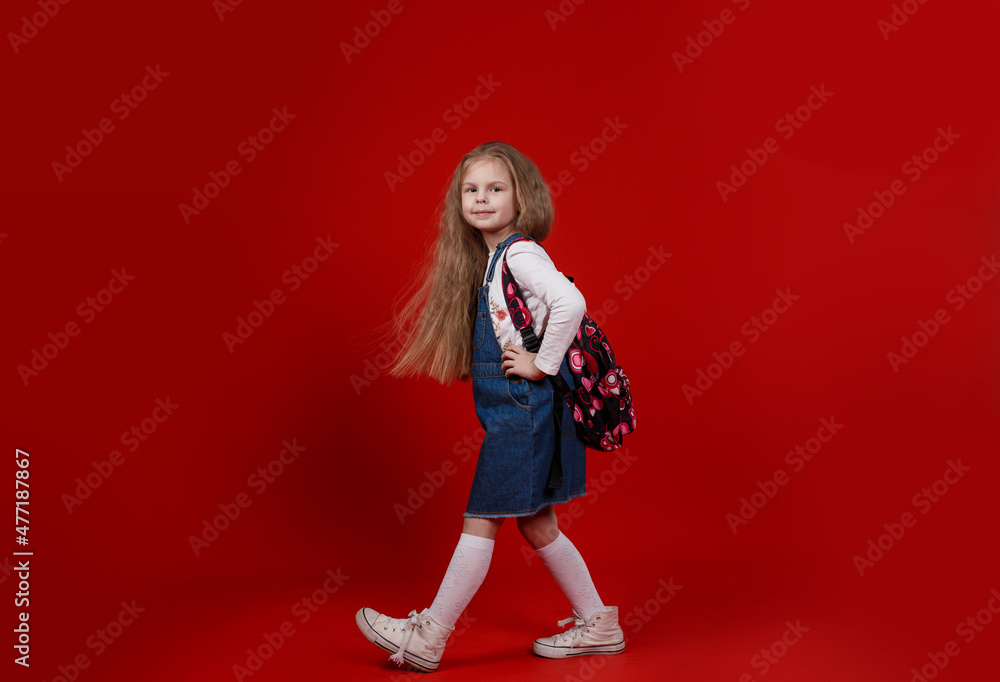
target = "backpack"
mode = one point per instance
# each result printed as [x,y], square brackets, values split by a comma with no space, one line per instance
[600,399]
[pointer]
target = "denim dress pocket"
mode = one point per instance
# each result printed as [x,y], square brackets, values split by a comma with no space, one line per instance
[519,390]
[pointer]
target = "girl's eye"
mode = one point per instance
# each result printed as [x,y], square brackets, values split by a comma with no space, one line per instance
[496,188]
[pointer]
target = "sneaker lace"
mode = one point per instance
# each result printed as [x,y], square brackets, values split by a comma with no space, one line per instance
[574,634]
[402,623]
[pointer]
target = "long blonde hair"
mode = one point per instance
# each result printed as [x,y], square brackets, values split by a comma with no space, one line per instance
[436,323]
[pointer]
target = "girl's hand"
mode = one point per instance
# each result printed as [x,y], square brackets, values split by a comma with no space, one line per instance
[516,361]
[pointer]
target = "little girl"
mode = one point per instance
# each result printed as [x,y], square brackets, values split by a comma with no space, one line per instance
[462,329]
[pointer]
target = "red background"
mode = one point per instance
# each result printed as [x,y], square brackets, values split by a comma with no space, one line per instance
[366,445]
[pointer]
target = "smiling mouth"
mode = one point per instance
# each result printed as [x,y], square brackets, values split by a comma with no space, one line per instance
[482,213]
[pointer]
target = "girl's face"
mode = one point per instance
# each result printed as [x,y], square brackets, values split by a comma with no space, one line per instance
[489,203]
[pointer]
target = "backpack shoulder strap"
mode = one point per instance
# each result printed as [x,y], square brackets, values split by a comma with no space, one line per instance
[520,316]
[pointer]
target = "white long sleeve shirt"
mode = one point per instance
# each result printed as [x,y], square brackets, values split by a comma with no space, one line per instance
[556,306]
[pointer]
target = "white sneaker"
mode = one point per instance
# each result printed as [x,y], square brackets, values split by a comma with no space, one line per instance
[600,634]
[418,640]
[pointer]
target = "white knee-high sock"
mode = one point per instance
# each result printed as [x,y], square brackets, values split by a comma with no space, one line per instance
[570,571]
[465,574]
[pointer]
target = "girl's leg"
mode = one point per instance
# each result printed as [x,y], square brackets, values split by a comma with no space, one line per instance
[483,528]
[562,559]
[541,529]
[468,567]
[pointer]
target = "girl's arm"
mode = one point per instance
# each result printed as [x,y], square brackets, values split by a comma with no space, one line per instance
[536,275]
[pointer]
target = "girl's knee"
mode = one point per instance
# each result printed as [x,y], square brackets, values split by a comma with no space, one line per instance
[484,528]
[541,529]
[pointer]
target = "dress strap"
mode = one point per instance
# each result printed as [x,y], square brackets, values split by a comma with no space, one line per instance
[501,247]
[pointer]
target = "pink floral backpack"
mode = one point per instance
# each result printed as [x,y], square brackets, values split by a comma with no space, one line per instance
[600,397]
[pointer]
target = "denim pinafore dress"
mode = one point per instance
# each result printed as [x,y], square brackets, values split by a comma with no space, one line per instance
[516,454]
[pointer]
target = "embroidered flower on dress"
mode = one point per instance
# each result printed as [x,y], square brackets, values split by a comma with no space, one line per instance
[499,314]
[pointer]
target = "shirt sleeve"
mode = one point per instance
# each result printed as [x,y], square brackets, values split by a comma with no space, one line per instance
[537,276]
